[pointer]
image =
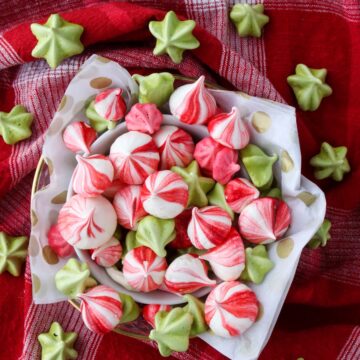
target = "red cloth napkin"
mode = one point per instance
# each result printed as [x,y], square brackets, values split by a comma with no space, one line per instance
[321,317]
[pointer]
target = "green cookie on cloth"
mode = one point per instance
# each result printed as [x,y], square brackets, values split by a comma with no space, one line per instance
[155,88]
[13,252]
[155,233]
[248,19]
[258,165]
[58,39]
[173,36]
[172,330]
[322,236]
[130,309]
[309,86]
[57,344]
[330,162]
[198,185]
[257,264]
[15,125]
[74,278]
[196,308]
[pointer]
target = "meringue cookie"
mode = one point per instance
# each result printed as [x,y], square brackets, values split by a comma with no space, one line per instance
[231,308]
[182,240]
[150,310]
[130,309]
[87,223]
[216,197]
[196,308]
[264,220]
[145,118]
[143,269]
[208,227]
[108,254]
[239,193]
[225,166]
[164,194]
[92,175]
[134,156]
[79,136]
[229,129]
[175,145]
[155,233]
[110,105]
[193,103]
[129,207]
[322,236]
[155,88]
[187,274]
[228,259]
[101,309]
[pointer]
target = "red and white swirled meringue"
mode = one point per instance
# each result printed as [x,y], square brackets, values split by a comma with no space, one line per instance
[216,160]
[239,193]
[101,309]
[231,308]
[78,137]
[149,311]
[164,194]
[187,274]
[143,269]
[134,156]
[128,206]
[228,259]
[176,147]
[92,175]
[193,103]
[87,222]
[107,254]
[182,240]
[114,187]
[264,220]
[110,105]
[229,129]
[208,227]
[145,118]
[57,243]
[225,165]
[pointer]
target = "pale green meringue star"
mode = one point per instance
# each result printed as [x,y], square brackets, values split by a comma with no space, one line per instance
[57,344]
[173,36]
[130,309]
[172,330]
[13,252]
[196,308]
[309,86]
[322,236]
[58,39]
[248,19]
[15,125]
[331,161]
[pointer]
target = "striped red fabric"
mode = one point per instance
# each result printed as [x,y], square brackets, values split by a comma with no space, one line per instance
[321,316]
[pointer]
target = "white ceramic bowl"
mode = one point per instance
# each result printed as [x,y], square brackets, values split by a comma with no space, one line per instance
[111,276]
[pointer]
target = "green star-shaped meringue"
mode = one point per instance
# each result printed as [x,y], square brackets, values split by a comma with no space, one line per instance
[73,278]
[198,185]
[172,330]
[248,19]
[173,36]
[155,233]
[331,161]
[257,264]
[274,192]
[58,39]
[15,125]
[130,309]
[155,88]
[217,197]
[309,86]
[13,252]
[258,165]
[196,308]
[57,344]
[322,236]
